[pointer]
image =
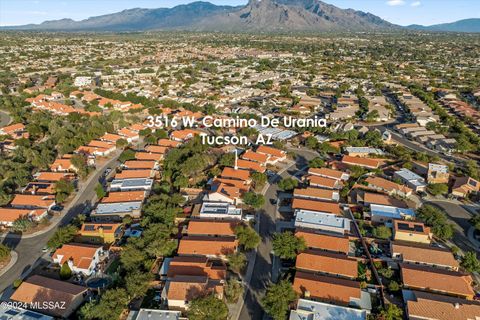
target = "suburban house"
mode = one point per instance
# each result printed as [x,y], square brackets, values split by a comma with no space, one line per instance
[437,173]
[251,155]
[321,221]
[411,231]
[319,206]
[222,192]
[131,184]
[30,201]
[37,290]
[329,173]
[274,155]
[193,266]
[211,227]
[388,187]
[323,182]
[212,247]
[321,241]
[387,214]
[81,258]
[308,309]
[251,165]
[411,179]
[333,264]
[216,210]
[463,186]
[135,174]
[423,305]
[332,290]
[368,163]
[62,165]
[437,280]
[116,211]
[363,151]
[126,196]
[99,233]
[9,215]
[316,194]
[181,290]
[407,252]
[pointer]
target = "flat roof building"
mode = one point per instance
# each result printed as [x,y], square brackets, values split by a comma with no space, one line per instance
[313,310]
[321,221]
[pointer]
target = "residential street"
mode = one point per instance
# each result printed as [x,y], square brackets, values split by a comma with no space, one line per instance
[29,248]
[263,262]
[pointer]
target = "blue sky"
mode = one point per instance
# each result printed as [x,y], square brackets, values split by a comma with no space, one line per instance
[403,12]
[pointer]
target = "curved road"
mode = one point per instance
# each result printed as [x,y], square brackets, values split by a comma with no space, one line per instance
[262,270]
[29,248]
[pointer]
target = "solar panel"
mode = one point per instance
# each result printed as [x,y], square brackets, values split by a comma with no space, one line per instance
[403,226]
[107,227]
[418,228]
[33,314]
[12,312]
[89,228]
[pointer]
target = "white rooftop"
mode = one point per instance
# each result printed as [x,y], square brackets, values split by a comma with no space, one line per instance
[313,310]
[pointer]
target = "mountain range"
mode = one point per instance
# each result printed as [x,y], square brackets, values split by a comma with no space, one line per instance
[255,16]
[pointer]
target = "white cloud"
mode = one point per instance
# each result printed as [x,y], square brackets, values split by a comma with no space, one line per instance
[394,3]
[415,4]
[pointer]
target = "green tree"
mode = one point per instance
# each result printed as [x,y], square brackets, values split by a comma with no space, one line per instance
[437,188]
[316,163]
[132,257]
[470,262]
[382,232]
[288,184]
[4,252]
[22,224]
[227,160]
[100,191]
[233,290]
[286,245]
[237,261]
[391,312]
[207,308]
[61,236]
[278,298]
[393,286]
[127,154]
[121,143]
[254,200]
[110,306]
[259,179]
[386,272]
[137,284]
[247,237]
[65,272]
[80,163]
[63,188]
[437,220]
[475,221]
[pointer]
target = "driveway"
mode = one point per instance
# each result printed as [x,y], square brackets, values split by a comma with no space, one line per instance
[29,248]
[262,271]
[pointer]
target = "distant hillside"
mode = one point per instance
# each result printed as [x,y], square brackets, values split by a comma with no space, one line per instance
[467,25]
[256,15]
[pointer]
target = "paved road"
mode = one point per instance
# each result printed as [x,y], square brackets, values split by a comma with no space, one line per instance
[30,249]
[261,276]
[5,119]
[460,217]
